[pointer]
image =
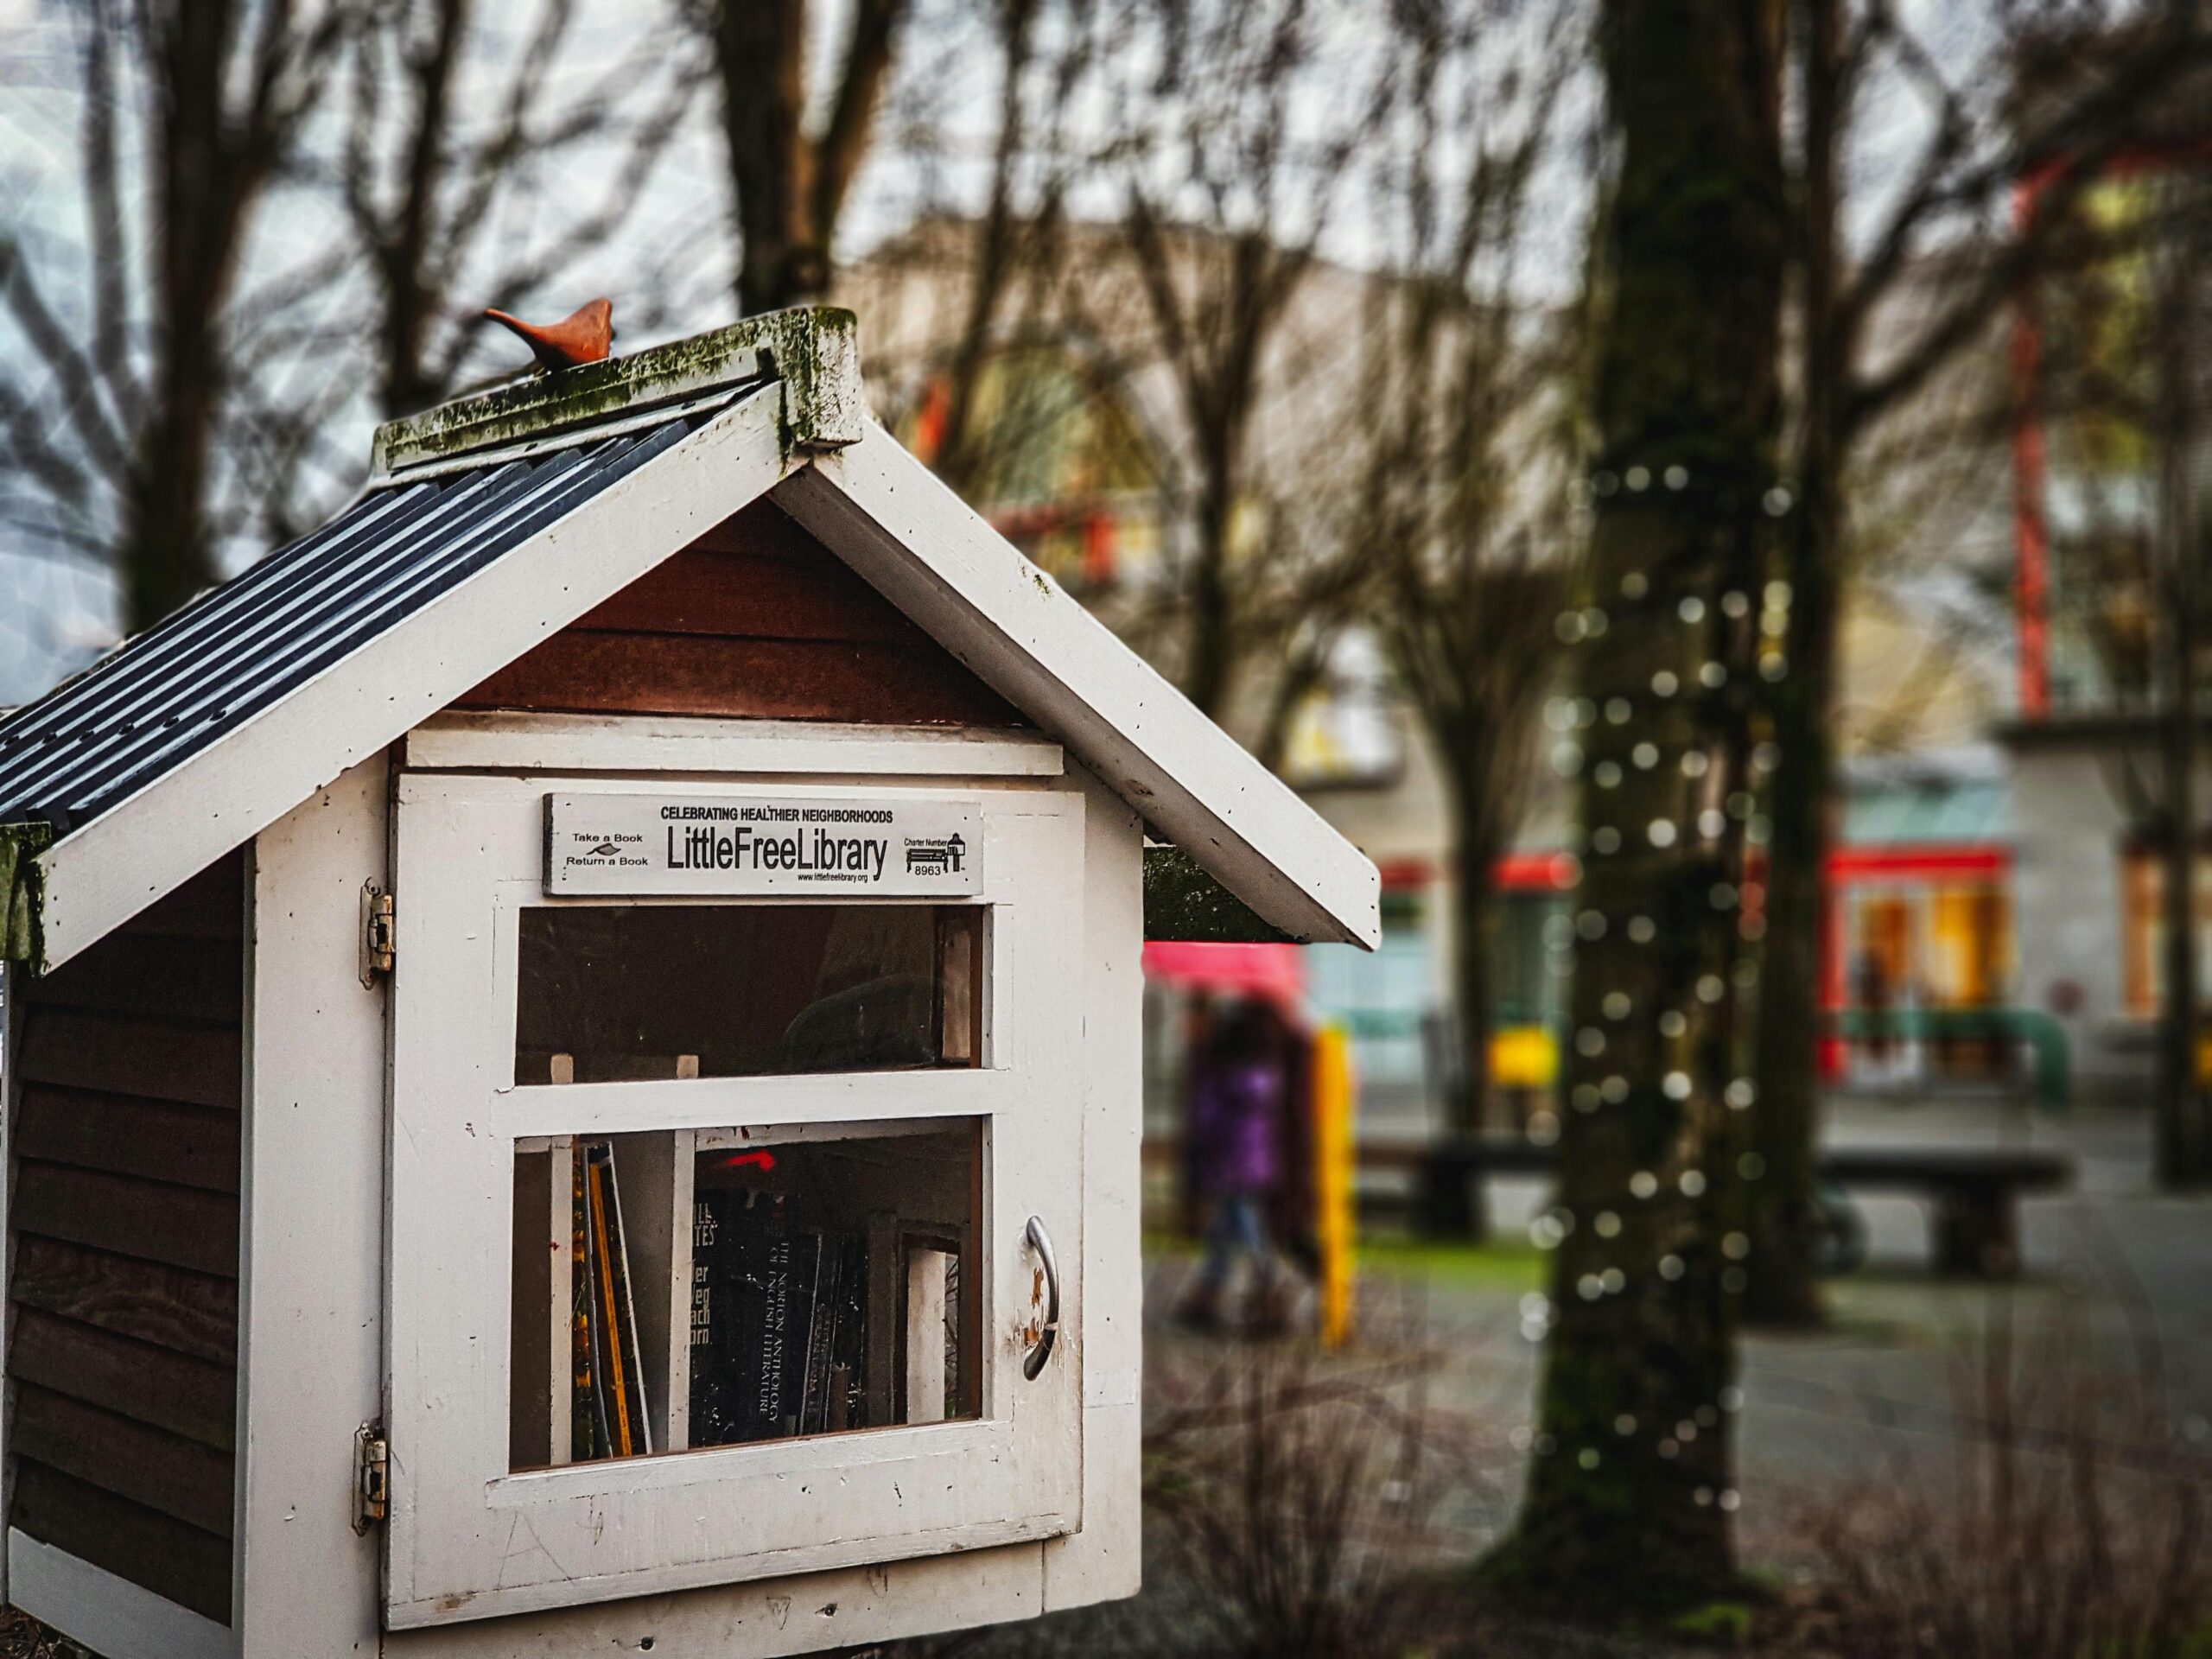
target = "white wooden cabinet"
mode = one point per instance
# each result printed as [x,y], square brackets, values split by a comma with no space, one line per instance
[472,1536]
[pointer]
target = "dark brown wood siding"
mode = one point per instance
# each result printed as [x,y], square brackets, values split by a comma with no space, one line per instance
[124,1229]
[755,619]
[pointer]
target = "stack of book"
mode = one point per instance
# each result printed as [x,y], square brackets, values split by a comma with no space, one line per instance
[778,1322]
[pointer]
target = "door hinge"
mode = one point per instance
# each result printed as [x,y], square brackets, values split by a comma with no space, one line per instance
[377,937]
[371,1475]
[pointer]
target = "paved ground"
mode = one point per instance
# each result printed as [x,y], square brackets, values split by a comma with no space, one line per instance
[2114,1272]
[2118,1279]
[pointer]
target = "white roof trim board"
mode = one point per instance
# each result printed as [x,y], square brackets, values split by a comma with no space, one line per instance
[859,493]
[935,558]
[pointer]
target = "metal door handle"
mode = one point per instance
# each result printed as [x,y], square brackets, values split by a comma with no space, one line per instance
[1041,1241]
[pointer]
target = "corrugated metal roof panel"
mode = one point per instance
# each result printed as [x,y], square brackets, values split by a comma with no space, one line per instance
[163,696]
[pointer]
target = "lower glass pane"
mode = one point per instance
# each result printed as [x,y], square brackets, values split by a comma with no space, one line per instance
[685,1289]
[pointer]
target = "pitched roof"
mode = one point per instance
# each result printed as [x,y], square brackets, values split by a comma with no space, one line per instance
[186,685]
[496,521]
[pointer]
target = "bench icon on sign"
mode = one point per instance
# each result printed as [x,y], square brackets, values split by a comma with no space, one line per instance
[935,857]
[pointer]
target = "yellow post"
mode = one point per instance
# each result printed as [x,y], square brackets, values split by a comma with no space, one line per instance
[1335,1101]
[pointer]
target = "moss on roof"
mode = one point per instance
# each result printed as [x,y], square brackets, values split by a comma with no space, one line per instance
[22,891]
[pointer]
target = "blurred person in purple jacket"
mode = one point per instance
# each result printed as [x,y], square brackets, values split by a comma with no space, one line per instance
[1240,1107]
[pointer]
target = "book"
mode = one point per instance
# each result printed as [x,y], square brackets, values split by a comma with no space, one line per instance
[724,1246]
[782,1368]
[830,1286]
[745,1377]
[814,1393]
[847,1403]
[587,1438]
[954,1383]
[619,1424]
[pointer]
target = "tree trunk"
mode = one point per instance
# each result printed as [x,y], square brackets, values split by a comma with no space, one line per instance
[206,173]
[760,50]
[789,188]
[1799,707]
[165,559]
[1211,665]
[1785,1123]
[2183,1159]
[2184,1133]
[1477,842]
[1000,235]
[1631,1484]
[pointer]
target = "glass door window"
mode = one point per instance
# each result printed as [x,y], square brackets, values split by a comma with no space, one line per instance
[616,992]
[686,1289]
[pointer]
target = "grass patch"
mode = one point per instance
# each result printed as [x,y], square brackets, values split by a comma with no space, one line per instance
[1512,1265]
[1507,1264]
[1717,1621]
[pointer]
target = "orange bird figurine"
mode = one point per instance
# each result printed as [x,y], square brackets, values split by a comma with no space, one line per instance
[584,336]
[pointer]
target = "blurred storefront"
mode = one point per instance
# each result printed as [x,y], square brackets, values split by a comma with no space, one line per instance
[1396,1002]
[1919,922]
[1920,967]
[2090,885]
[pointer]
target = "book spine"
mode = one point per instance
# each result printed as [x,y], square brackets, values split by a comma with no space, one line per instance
[848,1337]
[761,1333]
[795,1334]
[615,1376]
[717,1408]
[629,1357]
[813,1404]
[590,1437]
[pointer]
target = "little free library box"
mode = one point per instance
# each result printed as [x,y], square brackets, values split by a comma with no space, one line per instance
[573,1049]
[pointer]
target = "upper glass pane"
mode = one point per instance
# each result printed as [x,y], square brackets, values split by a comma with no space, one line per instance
[622,992]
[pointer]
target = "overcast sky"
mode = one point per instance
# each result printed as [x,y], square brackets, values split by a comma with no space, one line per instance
[55,613]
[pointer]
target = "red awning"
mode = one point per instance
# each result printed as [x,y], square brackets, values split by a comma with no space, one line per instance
[1275,971]
[1895,862]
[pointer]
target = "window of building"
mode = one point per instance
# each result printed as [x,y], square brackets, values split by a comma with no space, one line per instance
[1382,998]
[2143,931]
[1344,731]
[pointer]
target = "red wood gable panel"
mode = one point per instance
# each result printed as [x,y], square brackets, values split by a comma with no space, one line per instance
[756,619]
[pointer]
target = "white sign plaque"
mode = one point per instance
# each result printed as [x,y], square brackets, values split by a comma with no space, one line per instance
[724,844]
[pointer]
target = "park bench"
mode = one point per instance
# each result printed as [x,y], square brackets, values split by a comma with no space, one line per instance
[1974,1191]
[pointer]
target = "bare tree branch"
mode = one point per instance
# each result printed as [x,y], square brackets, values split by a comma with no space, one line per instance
[867,60]
[83,408]
[2070,152]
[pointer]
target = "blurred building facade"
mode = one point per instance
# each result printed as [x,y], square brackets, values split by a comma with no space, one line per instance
[1083,475]
[1994,892]
[2112,449]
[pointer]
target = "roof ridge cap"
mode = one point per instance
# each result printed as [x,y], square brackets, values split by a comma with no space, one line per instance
[813,349]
